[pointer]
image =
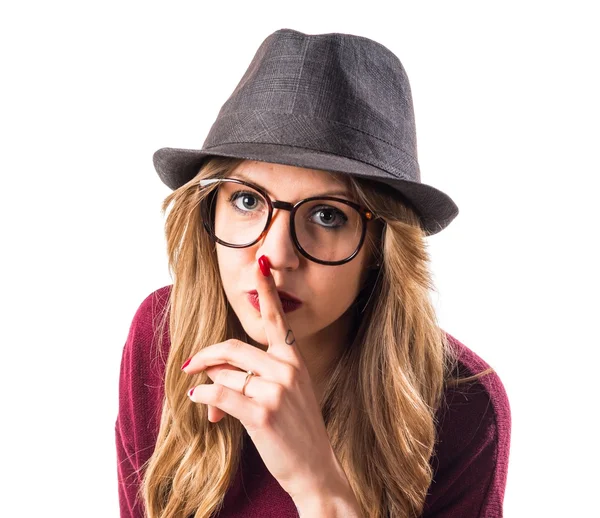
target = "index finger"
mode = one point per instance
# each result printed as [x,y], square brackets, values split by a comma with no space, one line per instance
[274,320]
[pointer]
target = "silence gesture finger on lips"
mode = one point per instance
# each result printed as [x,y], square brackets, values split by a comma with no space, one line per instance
[279,409]
[272,312]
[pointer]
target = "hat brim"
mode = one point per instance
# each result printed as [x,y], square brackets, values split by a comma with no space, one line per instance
[176,167]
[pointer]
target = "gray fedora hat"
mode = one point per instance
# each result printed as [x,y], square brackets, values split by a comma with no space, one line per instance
[335,102]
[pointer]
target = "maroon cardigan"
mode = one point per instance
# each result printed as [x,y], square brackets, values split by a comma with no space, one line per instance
[470,461]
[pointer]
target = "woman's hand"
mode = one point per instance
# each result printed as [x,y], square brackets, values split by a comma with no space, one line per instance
[279,409]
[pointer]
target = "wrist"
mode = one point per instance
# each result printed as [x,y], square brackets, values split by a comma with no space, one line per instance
[332,502]
[328,507]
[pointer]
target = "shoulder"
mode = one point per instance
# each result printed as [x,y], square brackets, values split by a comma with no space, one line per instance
[142,367]
[148,341]
[471,458]
[152,308]
[483,399]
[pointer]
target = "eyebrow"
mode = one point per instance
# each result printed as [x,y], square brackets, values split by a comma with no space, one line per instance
[241,176]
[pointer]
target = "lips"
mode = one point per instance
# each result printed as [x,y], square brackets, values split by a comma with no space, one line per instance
[288,302]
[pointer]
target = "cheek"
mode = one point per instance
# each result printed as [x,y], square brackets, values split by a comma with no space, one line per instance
[231,258]
[229,261]
[337,290]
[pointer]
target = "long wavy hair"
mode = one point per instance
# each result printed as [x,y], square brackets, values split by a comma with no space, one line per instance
[398,364]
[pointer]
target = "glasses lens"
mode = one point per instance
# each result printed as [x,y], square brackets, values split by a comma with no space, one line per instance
[240,213]
[327,230]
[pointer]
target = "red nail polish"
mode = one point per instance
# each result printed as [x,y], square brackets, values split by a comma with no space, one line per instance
[187,362]
[265,265]
[191,391]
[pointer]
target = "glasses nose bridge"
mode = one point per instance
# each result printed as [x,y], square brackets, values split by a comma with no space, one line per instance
[283,205]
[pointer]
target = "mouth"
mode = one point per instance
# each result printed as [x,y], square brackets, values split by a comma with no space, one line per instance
[288,302]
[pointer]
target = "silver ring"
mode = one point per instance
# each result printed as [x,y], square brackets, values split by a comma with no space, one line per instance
[248,376]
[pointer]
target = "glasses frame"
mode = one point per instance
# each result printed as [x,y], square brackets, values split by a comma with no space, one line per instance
[365,214]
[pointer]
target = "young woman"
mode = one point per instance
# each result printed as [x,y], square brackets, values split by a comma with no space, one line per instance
[295,366]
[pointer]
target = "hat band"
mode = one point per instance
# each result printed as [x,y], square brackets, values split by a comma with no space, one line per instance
[315,134]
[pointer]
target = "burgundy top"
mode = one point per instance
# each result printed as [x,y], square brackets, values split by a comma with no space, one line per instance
[470,462]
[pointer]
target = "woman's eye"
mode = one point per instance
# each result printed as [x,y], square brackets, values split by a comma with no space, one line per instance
[244,201]
[328,217]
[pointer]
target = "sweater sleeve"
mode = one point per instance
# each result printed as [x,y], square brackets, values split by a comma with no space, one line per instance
[471,462]
[129,480]
[140,400]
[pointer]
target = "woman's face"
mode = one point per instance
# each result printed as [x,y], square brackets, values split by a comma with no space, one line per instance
[326,292]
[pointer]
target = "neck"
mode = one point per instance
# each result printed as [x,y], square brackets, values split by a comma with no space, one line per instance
[322,351]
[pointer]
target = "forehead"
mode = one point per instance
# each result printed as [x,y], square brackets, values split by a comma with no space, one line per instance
[288,182]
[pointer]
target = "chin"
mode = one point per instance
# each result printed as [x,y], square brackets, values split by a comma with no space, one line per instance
[255,332]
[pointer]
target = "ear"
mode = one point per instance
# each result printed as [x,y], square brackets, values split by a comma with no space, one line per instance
[367,287]
[376,245]
[369,274]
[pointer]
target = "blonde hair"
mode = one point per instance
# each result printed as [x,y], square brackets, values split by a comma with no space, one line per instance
[397,365]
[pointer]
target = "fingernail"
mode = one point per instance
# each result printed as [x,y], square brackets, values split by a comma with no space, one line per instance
[187,362]
[265,265]
[191,391]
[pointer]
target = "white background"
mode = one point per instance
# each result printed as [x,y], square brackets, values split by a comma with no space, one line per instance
[506,102]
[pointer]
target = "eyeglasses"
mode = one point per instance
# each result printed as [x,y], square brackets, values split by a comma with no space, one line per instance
[324,229]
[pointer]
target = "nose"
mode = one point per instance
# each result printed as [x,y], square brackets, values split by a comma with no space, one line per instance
[277,244]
